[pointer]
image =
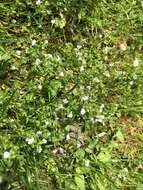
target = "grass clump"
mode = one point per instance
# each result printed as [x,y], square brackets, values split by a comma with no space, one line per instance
[71,98]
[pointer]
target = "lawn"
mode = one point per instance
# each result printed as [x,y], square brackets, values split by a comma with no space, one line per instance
[71,95]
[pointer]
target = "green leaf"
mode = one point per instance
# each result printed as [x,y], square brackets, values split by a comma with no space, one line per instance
[119,135]
[80,154]
[139,187]
[104,156]
[80,182]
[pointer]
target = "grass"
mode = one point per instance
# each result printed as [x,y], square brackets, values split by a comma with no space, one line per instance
[71,101]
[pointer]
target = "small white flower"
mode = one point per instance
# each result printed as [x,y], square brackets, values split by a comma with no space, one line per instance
[61,106]
[37,62]
[70,115]
[89,87]
[39,133]
[44,141]
[123,46]
[87,162]
[96,79]
[65,101]
[85,98]
[46,42]
[39,149]
[58,58]
[78,145]
[61,74]
[82,112]
[79,46]
[101,134]
[68,137]
[12,120]
[106,73]
[14,21]
[126,170]
[13,68]
[30,140]
[40,87]
[46,122]
[101,108]
[50,56]
[106,49]
[131,83]
[53,21]
[18,52]
[81,87]
[38,2]
[136,62]
[111,64]
[92,120]
[6,155]
[33,43]
[100,118]
[1,179]
[81,68]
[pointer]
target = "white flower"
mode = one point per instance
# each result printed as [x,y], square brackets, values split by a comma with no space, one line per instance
[136,62]
[106,73]
[81,68]
[6,155]
[85,98]
[13,68]
[39,149]
[14,21]
[68,137]
[70,115]
[46,42]
[106,49]
[126,170]
[58,58]
[44,141]
[59,151]
[40,87]
[96,79]
[101,134]
[123,46]
[65,101]
[78,145]
[30,140]
[131,83]
[12,120]
[61,74]
[88,87]
[39,133]
[18,52]
[82,112]
[87,162]
[33,43]
[53,21]
[50,56]
[100,118]
[46,122]
[38,2]
[111,64]
[37,62]
[1,179]
[101,108]
[79,46]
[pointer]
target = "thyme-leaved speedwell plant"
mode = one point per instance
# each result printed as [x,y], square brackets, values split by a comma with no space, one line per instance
[71,95]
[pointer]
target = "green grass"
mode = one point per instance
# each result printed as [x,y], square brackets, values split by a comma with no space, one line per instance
[71,95]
